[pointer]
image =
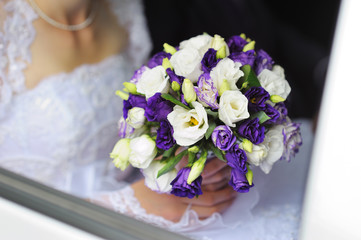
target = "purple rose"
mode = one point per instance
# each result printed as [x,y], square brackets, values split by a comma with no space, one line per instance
[181,188]
[165,138]
[246,58]
[252,130]
[239,181]
[237,158]
[272,113]
[137,74]
[236,44]
[157,59]
[257,97]
[174,77]
[282,109]
[263,61]
[209,60]
[206,91]
[158,108]
[133,101]
[223,137]
[292,140]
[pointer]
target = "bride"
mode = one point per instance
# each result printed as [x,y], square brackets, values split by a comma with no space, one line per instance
[61,62]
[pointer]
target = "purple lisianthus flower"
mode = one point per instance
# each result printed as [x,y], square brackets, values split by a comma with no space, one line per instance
[209,60]
[282,109]
[174,77]
[206,92]
[223,137]
[272,113]
[251,130]
[263,61]
[181,188]
[237,158]
[137,74]
[236,44]
[133,101]
[157,59]
[239,181]
[257,97]
[292,140]
[158,108]
[244,57]
[165,138]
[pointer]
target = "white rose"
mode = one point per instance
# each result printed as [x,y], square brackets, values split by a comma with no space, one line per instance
[201,43]
[274,142]
[161,184]
[258,154]
[187,63]
[274,82]
[152,81]
[233,107]
[136,117]
[229,70]
[142,151]
[189,125]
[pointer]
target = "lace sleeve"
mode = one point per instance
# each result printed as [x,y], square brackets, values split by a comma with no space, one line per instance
[16,35]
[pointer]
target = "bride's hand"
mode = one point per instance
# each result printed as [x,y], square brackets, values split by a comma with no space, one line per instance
[217,195]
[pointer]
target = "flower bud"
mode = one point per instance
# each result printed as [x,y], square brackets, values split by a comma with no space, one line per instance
[123,95]
[169,49]
[197,168]
[221,53]
[224,87]
[247,145]
[166,64]
[217,42]
[175,86]
[130,87]
[277,99]
[136,117]
[120,153]
[249,175]
[188,91]
[194,149]
[249,46]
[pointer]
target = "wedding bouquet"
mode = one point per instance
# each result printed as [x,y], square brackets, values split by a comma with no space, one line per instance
[205,96]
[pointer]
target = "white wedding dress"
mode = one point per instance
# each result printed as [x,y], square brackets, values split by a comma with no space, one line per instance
[61,132]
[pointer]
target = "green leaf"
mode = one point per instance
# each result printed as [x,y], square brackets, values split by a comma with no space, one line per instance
[169,97]
[211,127]
[169,152]
[249,79]
[261,115]
[211,113]
[217,152]
[191,157]
[171,163]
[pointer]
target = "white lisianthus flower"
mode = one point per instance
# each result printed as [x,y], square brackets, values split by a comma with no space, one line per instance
[258,154]
[142,151]
[136,117]
[187,63]
[233,107]
[274,82]
[120,153]
[201,43]
[189,125]
[152,81]
[161,184]
[226,69]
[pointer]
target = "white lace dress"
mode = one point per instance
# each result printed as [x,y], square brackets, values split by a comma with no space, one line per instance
[60,133]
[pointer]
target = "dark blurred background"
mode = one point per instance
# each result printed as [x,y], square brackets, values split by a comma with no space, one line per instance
[297,35]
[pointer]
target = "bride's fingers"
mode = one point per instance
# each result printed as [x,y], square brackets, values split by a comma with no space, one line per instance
[212,198]
[223,174]
[213,166]
[215,186]
[204,212]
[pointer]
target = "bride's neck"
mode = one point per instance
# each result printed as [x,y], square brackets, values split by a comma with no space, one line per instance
[66,11]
